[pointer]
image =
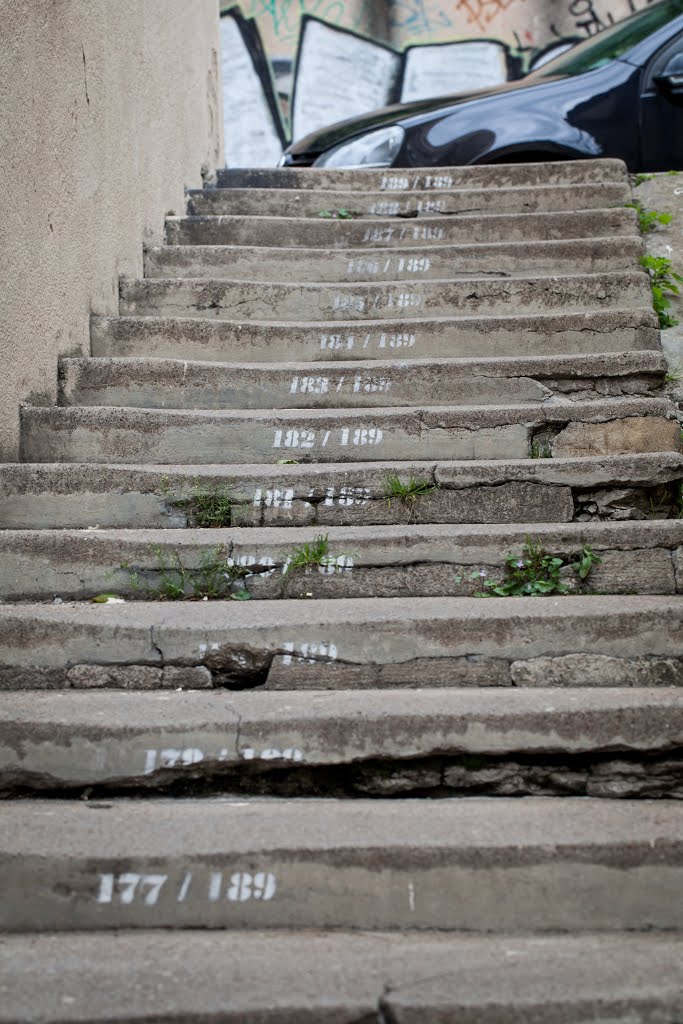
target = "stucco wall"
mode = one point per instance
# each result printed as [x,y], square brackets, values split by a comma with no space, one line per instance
[109,108]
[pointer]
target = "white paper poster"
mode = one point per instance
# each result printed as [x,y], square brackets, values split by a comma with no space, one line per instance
[451,68]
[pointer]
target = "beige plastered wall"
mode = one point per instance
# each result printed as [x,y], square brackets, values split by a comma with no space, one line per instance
[109,108]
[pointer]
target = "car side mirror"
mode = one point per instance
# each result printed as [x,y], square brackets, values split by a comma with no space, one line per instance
[670,81]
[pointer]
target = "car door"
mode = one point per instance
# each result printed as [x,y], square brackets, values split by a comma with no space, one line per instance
[661,114]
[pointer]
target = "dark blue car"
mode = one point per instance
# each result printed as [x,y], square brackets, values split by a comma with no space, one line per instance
[618,94]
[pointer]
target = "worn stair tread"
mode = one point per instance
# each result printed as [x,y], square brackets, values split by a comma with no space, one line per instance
[39,495]
[399,179]
[320,644]
[362,561]
[114,433]
[193,976]
[614,330]
[507,865]
[67,739]
[440,262]
[370,232]
[185,383]
[242,301]
[481,201]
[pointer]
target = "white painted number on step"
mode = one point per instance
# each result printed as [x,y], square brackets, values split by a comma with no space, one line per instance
[394,182]
[345,300]
[309,386]
[308,653]
[167,758]
[404,300]
[129,886]
[242,886]
[348,496]
[437,181]
[428,234]
[307,438]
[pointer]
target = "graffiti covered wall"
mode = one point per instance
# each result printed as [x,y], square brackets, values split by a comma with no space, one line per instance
[524,23]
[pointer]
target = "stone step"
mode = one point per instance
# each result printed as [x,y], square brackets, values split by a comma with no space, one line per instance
[186,384]
[357,643]
[371,232]
[427,179]
[611,330]
[195,976]
[473,201]
[443,262]
[485,296]
[361,561]
[601,743]
[620,487]
[616,426]
[506,865]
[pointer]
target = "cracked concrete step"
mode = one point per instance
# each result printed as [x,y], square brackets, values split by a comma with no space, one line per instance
[241,300]
[596,331]
[621,487]
[479,201]
[427,179]
[387,642]
[616,426]
[477,865]
[443,262]
[369,232]
[379,978]
[187,384]
[389,561]
[603,743]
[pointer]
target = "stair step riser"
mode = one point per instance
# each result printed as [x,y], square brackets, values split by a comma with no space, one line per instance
[349,976]
[529,491]
[124,740]
[428,563]
[577,866]
[567,172]
[618,330]
[445,263]
[370,233]
[480,202]
[241,301]
[348,644]
[162,436]
[179,384]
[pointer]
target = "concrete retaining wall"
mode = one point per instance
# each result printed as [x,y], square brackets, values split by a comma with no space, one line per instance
[110,110]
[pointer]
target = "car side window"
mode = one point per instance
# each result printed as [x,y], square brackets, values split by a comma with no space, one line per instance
[673,51]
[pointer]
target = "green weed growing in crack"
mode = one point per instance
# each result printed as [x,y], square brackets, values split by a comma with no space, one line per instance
[407,493]
[540,450]
[317,552]
[640,179]
[206,507]
[649,219]
[212,579]
[535,572]
[664,282]
[674,375]
[340,214]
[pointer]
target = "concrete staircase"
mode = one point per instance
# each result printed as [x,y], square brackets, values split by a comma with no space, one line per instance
[339,408]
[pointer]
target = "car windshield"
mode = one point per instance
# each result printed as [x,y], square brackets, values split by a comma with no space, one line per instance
[612,43]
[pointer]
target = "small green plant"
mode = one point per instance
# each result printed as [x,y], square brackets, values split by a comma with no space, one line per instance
[396,489]
[317,552]
[541,450]
[639,179]
[287,462]
[664,282]
[207,508]
[340,214]
[535,573]
[211,580]
[674,375]
[649,219]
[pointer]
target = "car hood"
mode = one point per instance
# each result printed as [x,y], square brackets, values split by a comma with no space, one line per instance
[403,113]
